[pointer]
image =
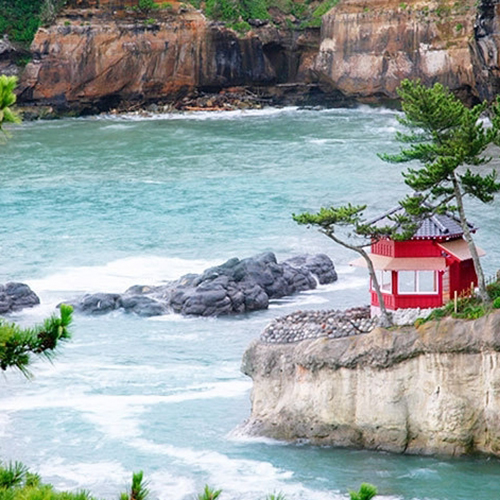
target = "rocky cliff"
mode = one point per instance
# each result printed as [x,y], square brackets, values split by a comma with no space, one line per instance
[435,389]
[368,47]
[96,58]
[100,54]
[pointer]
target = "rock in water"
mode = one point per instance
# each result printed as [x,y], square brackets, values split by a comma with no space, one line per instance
[237,286]
[16,296]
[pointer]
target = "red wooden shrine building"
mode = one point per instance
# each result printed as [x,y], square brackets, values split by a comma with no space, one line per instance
[424,271]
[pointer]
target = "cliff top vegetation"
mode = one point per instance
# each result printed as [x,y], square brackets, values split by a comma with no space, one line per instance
[20,19]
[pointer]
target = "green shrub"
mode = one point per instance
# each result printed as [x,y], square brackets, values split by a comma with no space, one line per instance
[145,6]
[496,303]
[240,26]
[20,19]
[493,290]
[366,492]
[209,493]
[138,490]
[324,7]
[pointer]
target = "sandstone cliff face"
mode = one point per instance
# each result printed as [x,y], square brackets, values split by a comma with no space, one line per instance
[430,390]
[367,48]
[96,58]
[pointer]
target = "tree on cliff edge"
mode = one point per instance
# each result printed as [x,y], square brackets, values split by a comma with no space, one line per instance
[445,137]
[357,234]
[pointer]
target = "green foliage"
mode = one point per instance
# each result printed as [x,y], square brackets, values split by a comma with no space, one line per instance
[276,496]
[145,6]
[12,475]
[496,303]
[209,493]
[324,7]
[240,26]
[444,136]
[20,19]
[17,483]
[468,308]
[236,10]
[366,492]
[357,234]
[7,99]
[138,490]
[493,290]
[18,344]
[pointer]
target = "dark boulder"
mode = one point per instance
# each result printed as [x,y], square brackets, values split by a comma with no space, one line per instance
[98,303]
[16,296]
[237,286]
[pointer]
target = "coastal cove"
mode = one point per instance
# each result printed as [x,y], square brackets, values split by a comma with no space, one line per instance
[104,203]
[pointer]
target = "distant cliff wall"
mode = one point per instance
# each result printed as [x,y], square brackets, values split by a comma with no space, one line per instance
[94,58]
[368,47]
[435,389]
[100,53]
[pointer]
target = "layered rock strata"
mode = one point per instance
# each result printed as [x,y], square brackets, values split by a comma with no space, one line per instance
[431,390]
[367,48]
[236,286]
[97,59]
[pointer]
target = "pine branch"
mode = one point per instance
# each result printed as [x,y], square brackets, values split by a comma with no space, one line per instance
[18,344]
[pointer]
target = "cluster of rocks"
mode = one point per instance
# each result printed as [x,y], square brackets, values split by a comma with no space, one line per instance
[302,325]
[16,296]
[237,286]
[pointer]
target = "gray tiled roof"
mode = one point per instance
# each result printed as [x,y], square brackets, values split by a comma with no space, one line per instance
[435,226]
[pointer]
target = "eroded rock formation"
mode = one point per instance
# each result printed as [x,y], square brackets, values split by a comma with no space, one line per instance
[95,59]
[367,48]
[237,286]
[435,389]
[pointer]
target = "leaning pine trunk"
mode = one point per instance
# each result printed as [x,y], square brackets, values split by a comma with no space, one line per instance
[385,320]
[483,294]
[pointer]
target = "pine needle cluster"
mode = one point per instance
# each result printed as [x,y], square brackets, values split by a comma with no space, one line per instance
[17,344]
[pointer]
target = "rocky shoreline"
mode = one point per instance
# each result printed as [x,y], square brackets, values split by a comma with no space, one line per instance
[235,287]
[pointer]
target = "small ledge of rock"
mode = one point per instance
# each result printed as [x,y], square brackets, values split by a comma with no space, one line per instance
[235,287]
[16,296]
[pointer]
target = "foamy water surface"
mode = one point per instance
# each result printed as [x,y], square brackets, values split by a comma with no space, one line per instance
[101,204]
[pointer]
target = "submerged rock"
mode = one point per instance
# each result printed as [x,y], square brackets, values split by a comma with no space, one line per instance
[237,286]
[16,296]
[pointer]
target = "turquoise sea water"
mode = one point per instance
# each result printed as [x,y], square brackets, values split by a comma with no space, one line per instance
[100,204]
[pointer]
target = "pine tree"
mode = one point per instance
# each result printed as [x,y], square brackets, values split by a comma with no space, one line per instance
[445,136]
[358,235]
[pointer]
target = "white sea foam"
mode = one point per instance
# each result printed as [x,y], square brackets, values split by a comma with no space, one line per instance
[327,141]
[118,275]
[201,115]
[83,475]
[120,416]
[166,486]
[4,422]
[237,477]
